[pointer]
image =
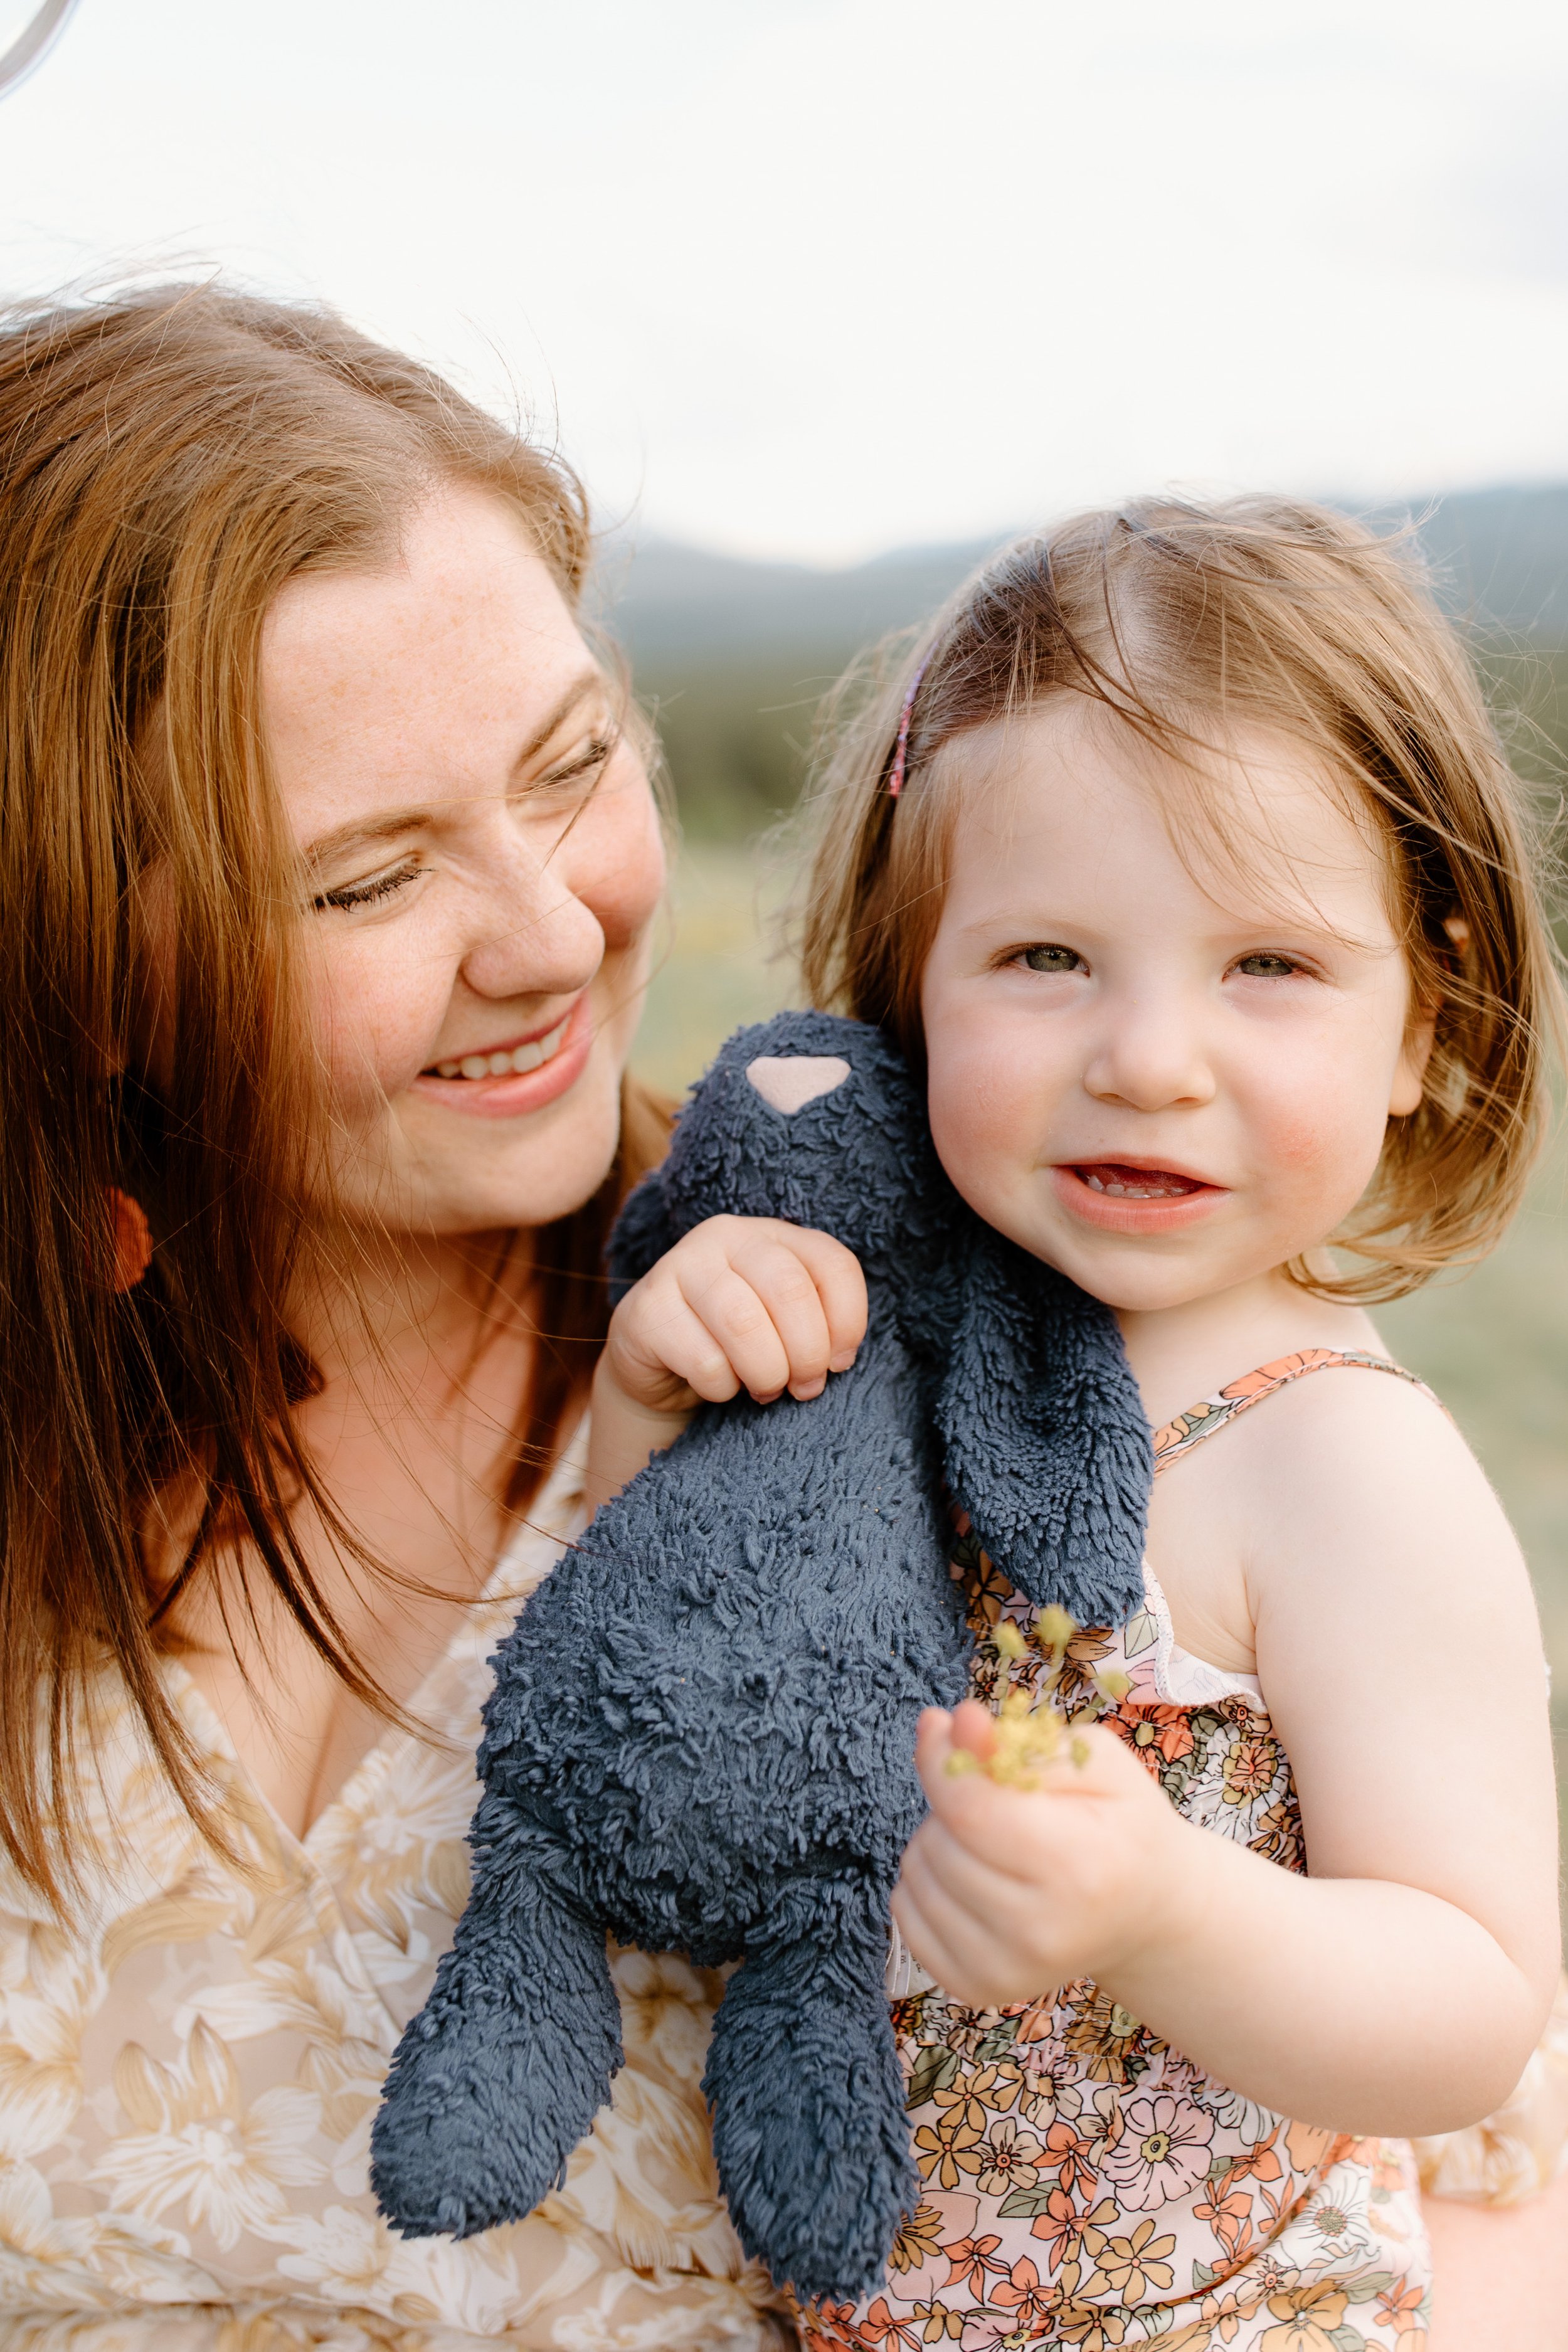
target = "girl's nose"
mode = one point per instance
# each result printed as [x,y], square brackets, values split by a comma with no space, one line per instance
[532,935]
[1150,1055]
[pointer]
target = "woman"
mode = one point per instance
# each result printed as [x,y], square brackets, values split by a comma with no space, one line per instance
[328,858]
[327,863]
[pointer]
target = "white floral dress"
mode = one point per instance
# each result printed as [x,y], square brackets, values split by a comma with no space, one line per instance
[1084,2184]
[188,2073]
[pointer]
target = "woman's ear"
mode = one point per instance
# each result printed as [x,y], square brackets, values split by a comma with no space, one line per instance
[1410,1070]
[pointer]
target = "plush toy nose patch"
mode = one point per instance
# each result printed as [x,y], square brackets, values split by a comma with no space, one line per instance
[789,1081]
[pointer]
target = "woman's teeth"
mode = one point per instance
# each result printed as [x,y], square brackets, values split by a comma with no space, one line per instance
[1138,1184]
[520,1059]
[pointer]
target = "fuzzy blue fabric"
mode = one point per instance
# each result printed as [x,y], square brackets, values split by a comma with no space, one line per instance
[701,1736]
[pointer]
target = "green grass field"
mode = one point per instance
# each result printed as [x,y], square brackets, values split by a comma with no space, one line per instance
[1494,1345]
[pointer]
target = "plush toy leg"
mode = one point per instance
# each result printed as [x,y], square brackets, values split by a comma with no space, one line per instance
[502,2073]
[808,2101]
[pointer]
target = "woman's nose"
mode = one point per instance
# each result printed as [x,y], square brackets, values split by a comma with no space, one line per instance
[532,935]
[1149,1055]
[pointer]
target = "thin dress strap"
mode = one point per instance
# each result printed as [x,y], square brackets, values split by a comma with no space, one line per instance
[1217,1411]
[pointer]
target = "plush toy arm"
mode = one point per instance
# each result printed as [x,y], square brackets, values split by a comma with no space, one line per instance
[809,2101]
[642,1234]
[502,2073]
[1047,1446]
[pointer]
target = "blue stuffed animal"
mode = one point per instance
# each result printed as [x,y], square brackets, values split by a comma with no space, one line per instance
[701,1736]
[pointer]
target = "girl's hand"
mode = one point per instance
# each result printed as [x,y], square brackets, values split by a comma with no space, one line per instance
[739,1303]
[1007,1893]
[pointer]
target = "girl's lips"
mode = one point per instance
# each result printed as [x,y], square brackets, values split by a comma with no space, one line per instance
[1124,1200]
[513,1095]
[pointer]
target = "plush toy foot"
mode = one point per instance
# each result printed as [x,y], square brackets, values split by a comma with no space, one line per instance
[502,2073]
[808,2101]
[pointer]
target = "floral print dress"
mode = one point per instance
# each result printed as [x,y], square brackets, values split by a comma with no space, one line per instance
[189,2069]
[1083,2183]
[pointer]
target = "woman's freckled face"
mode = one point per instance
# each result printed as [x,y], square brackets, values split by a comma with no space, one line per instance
[484,858]
[1163,1081]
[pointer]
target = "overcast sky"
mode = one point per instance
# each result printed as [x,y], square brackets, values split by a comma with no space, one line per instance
[814,278]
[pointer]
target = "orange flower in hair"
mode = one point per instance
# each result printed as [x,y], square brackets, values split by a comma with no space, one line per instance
[132,1240]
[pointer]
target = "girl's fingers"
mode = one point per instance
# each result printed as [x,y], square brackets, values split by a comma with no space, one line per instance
[771,1252]
[784,1283]
[920,1936]
[936,1859]
[954,1945]
[974,1729]
[740,1323]
[670,1342]
[746,1303]
[841,1287]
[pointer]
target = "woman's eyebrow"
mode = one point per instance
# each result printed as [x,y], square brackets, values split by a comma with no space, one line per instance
[588,681]
[327,846]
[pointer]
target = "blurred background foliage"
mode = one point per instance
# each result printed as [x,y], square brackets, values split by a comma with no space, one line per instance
[734,658]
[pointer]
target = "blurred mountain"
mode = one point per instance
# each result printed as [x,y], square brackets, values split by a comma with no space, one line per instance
[672,603]
[735,657]
[1500,556]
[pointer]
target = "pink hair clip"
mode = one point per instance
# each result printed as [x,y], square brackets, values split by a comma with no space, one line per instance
[902,752]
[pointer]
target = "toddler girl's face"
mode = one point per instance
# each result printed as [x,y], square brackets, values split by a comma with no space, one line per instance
[1163,1078]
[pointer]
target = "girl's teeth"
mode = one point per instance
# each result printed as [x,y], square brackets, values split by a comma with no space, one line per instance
[520,1059]
[1116,1191]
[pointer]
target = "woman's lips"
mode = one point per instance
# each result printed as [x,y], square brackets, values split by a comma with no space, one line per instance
[1121,1199]
[551,1063]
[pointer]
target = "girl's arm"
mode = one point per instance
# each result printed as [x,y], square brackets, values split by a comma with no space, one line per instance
[739,1303]
[1400,1987]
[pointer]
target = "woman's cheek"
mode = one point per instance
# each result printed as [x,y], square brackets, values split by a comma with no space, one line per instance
[371,1021]
[616,863]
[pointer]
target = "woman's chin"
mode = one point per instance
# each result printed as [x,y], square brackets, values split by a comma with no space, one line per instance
[447,1174]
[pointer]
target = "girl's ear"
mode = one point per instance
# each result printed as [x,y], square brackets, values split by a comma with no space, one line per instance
[1410,1071]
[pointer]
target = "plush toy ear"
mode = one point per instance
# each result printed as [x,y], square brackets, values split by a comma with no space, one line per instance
[1047,1447]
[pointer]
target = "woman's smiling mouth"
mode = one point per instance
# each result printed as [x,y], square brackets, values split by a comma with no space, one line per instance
[509,1080]
[505,1061]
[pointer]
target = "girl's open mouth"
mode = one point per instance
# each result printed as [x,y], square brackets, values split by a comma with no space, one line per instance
[1121,1199]
[1121,1183]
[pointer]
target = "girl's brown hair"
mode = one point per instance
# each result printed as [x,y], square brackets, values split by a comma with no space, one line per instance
[168,460]
[1187,622]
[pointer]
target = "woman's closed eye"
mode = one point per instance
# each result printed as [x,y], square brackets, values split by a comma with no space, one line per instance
[584,766]
[344,897]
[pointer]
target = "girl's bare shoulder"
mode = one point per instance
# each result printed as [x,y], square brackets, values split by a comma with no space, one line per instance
[1362,1478]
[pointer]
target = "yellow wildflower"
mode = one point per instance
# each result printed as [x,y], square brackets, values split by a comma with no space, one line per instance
[1053,1629]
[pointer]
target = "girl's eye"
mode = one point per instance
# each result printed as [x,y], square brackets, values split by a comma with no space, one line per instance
[371,892]
[1051,958]
[1266,967]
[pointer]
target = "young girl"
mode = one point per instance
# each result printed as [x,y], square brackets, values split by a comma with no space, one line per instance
[1185,859]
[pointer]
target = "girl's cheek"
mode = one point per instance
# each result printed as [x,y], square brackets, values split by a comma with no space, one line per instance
[986,1102]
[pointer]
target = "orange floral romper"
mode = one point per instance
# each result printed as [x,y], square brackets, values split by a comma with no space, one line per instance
[1083,2183]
